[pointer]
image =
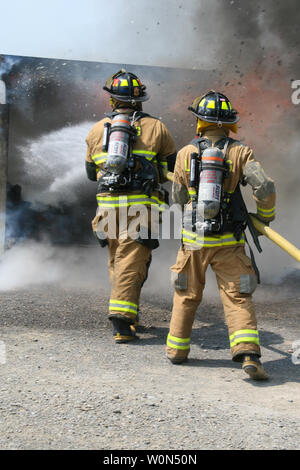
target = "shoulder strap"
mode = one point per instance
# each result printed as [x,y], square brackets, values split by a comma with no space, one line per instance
[111,115]
[139,115]
[222,142]
[201,142]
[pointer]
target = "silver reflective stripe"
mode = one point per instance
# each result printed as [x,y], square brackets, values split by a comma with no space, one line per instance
[178,343]
[123,307]
[208,242]
[246,335]
[99,158]
[145,154]
[128,200]
[175,343]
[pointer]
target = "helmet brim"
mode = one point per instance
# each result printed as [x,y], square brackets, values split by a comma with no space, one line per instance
[127,99]
[214,120]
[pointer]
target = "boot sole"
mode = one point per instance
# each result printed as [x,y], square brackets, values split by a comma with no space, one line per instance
[124,339]
[177,360]
[254,372]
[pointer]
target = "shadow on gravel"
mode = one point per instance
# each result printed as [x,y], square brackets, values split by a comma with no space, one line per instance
[214,337]
[210,337]
[211,363]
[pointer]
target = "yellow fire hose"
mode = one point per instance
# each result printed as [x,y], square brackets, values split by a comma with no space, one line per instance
[288,247]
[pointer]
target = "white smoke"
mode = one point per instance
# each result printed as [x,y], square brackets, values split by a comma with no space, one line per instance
[53,170]
[30,263]
[53,166]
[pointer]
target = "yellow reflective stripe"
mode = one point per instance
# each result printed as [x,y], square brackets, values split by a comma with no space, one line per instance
[230,164]
[124,83]
[123,302]
[122,309]
[206,241]
[267,216]
[192,192]
[134,82]
[99,158]
[266,212]
[123,306]
[164,163]
[224,105]
[206,245]
[178,343]
[133,196]
[244,336]
[146,152]
[127,201]
[186,165]
[211,104]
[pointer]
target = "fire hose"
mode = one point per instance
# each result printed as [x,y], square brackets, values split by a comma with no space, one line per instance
[264,229]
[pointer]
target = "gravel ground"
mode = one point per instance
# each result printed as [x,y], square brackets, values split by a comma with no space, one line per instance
[66,385]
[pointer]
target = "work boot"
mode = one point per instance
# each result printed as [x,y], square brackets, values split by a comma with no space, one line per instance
[253,367]
[123,332]
[137,320]
[176,360]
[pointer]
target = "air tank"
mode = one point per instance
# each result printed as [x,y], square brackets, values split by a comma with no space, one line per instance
[210,183]
[118,145]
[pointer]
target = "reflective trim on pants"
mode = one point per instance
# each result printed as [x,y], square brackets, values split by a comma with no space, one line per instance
[123,306]
[244,336]
[178,343]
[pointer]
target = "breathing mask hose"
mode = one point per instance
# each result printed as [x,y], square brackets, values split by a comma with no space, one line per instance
[194,179]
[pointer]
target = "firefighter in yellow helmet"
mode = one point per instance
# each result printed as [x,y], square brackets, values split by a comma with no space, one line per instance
[128,153]
[207,177]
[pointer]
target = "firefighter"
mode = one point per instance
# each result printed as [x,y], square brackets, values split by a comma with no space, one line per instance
[207,178]
[128,153]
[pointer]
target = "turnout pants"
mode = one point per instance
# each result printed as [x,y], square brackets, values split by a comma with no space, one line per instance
[236,281]
[128,267]
[128,264]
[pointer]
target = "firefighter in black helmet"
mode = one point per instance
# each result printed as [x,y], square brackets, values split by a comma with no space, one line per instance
[217,240]
[214,107]
[143,155]
[126,87]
